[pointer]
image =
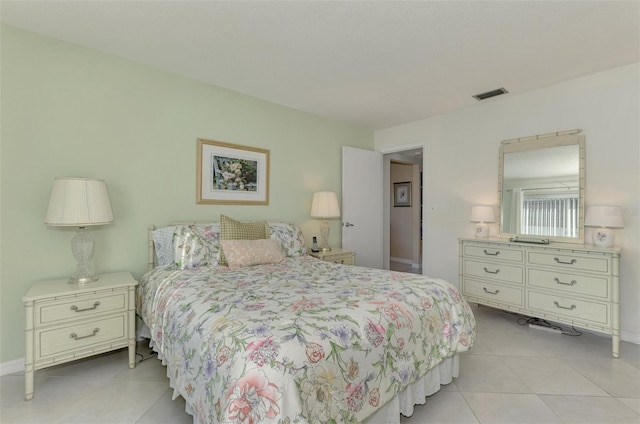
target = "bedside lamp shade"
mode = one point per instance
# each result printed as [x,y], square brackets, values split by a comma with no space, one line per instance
[324,206]
[604,217]
[80,202]
[482,214]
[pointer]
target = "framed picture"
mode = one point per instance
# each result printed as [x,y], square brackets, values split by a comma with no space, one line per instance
[228,174]
[402,194]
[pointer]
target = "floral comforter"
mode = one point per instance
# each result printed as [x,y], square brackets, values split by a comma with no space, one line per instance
[299,341]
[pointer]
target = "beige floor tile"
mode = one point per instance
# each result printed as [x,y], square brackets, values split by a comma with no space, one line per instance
[507,408]
[552,376]
[633,404]
[120,401]
[616,377]
[591,410]
[52,398]
[443,407]
[488,374]
[167,411]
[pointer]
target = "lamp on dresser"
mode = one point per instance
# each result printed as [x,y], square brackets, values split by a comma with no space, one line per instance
[482,214]
[80,202]
[325,206]
[603,217]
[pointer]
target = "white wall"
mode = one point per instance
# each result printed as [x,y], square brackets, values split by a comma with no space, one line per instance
[461,164]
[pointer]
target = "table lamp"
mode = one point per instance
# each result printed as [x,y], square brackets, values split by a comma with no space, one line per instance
[482,214]
[603,217]
[325,206]
[80,202]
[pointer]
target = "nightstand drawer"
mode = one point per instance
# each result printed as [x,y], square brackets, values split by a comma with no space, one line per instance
[340,259]
[570,307]
[74,337]
[494,271]
[493,292]
[79,307]
[570,283]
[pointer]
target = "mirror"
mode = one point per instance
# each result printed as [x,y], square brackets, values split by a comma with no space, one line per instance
[541,187]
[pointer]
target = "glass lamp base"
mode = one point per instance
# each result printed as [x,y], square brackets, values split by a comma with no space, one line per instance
[82,249]
[324,236]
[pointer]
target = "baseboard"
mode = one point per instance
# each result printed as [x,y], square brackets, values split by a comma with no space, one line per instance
[12,367]
[401,260]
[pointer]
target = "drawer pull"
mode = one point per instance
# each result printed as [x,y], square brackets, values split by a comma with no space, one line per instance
[496,253]
[490,292]
[74,336]
[573,261]
[491,272]
[572,283]
[74,308]
[571,308]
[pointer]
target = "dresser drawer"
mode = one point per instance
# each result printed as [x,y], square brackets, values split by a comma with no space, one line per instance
[494,271]
[569,261]
[494,292]
[55,341]
[79,307]
[494,252]
[570,283]
[570,307]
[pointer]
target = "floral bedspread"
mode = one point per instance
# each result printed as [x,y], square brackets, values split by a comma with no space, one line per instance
[300,341]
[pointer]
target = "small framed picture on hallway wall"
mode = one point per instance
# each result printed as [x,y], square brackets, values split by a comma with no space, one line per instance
[402,194]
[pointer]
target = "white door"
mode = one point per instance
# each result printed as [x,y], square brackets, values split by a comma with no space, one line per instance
[362,205]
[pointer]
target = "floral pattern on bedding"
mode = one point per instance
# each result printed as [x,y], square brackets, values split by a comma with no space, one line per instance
[300,341]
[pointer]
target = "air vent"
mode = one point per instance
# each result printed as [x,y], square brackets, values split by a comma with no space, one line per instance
[489,94]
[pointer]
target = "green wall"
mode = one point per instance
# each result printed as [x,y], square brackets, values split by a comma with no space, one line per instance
[72,111]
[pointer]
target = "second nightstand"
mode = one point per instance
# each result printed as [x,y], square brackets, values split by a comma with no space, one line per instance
[65,322]
[337,255]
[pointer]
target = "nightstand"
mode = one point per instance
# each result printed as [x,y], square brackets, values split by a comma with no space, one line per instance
[65,322]
[337,255]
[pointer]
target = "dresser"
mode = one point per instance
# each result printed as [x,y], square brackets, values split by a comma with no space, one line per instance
[337,255]
[65,322]
[571,284]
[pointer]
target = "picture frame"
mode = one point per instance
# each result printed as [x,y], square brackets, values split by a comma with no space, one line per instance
[402,194]
[231,174]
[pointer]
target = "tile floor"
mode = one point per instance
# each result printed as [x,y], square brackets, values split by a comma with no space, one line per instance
[513,374]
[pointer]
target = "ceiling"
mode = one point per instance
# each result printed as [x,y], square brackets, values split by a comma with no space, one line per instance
[370,64]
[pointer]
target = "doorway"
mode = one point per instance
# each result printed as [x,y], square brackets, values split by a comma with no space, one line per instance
[403,216]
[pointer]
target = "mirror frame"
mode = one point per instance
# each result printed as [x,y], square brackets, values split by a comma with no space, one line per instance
[565,138]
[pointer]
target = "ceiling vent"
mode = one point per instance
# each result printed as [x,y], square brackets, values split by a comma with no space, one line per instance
[489,94]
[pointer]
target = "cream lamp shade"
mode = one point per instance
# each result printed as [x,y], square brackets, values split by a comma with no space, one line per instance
[482,214]
[603,217]
[325,206]
[80,202]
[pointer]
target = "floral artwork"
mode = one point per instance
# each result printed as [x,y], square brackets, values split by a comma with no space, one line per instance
[231,174]
[234,174]
[301,341]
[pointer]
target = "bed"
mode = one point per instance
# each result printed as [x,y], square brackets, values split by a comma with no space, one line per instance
[274,335]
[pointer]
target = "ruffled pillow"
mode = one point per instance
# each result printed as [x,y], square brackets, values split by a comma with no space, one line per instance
[239,253]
